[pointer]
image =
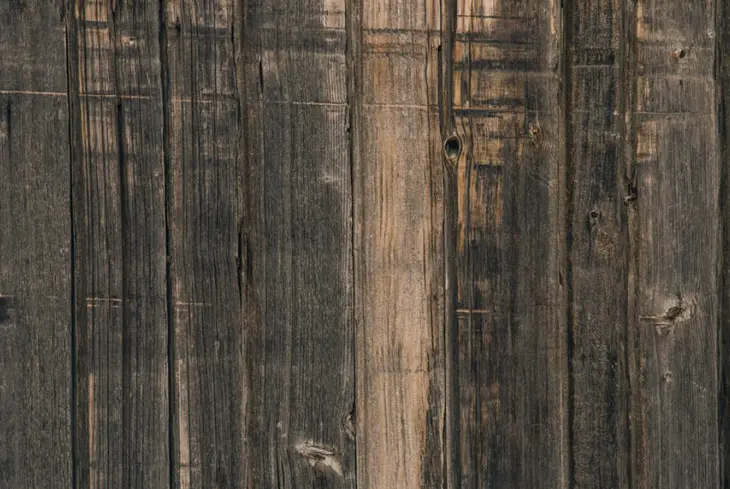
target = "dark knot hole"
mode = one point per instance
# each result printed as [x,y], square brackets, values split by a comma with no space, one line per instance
[452,147]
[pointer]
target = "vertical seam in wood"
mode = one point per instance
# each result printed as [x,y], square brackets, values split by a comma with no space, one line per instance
[70,12]
[353,69]
[625,164]
[720,79]
[569,172]
[451,381]
[165,91]
[628,81]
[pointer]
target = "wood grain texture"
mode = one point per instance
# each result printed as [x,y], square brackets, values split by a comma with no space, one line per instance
[119,245]
[399,266]
[676,239]
[599,193]
[35,248]
[204,217]
[511,276]
[297,247]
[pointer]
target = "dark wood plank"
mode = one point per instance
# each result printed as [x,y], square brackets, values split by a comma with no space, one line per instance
[297,247]
[676,237]
[119,245]
[510,248]
[399,241]
[598,243]
[35,248]
[204,218]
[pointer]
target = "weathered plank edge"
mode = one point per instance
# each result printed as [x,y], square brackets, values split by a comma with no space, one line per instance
[167,163]
[452,463]
[78,311]
[722,94]
[74,152]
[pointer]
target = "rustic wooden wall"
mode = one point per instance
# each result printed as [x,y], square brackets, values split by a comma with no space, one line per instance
[384,244]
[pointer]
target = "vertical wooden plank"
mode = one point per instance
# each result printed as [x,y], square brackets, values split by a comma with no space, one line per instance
[297,247]
[676,235]
[35,248]
[204,215]
[598,243]
[119,244]
[399,245]
[512,282]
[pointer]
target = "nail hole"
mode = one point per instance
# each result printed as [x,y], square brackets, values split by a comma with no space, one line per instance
[452,147]
[593,214]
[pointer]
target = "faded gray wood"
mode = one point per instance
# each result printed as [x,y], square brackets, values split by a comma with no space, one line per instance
[676,236]
[510,247]
[119,245]
[204,216]
[598,194]
[399,237]
[296,246]
[35,248]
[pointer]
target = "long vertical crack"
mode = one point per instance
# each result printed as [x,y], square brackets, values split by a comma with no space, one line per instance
[165,91]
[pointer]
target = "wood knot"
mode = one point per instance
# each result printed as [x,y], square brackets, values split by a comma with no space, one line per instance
[679,53]
[666,322]
[319,457]
[452,147]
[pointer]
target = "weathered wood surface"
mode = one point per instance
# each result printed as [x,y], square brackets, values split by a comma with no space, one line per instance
[511,277]
[35,248]
[597,239]
[676,236]
[118,193]
[206,334]
[377,244]
[297,248]
[398,292]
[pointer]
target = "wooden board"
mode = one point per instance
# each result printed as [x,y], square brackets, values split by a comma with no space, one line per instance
[204,218]
[599,193]
[510,247]
[35,249]
[398,222]
[119,245]
[296,246]
[676,238]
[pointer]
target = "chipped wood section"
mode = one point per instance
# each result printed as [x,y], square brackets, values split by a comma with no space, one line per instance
[398,219]
[35,249]
[204,218]
[296,246]
[676,233]
[512,351]
[598,196]
[119,243]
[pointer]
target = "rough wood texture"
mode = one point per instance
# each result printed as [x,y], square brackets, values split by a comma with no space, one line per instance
[119,245]
[511,279]
[35,248]
[386,244]
[398,219]
[598,242]
[204,218]
[297,247]
[676,238]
